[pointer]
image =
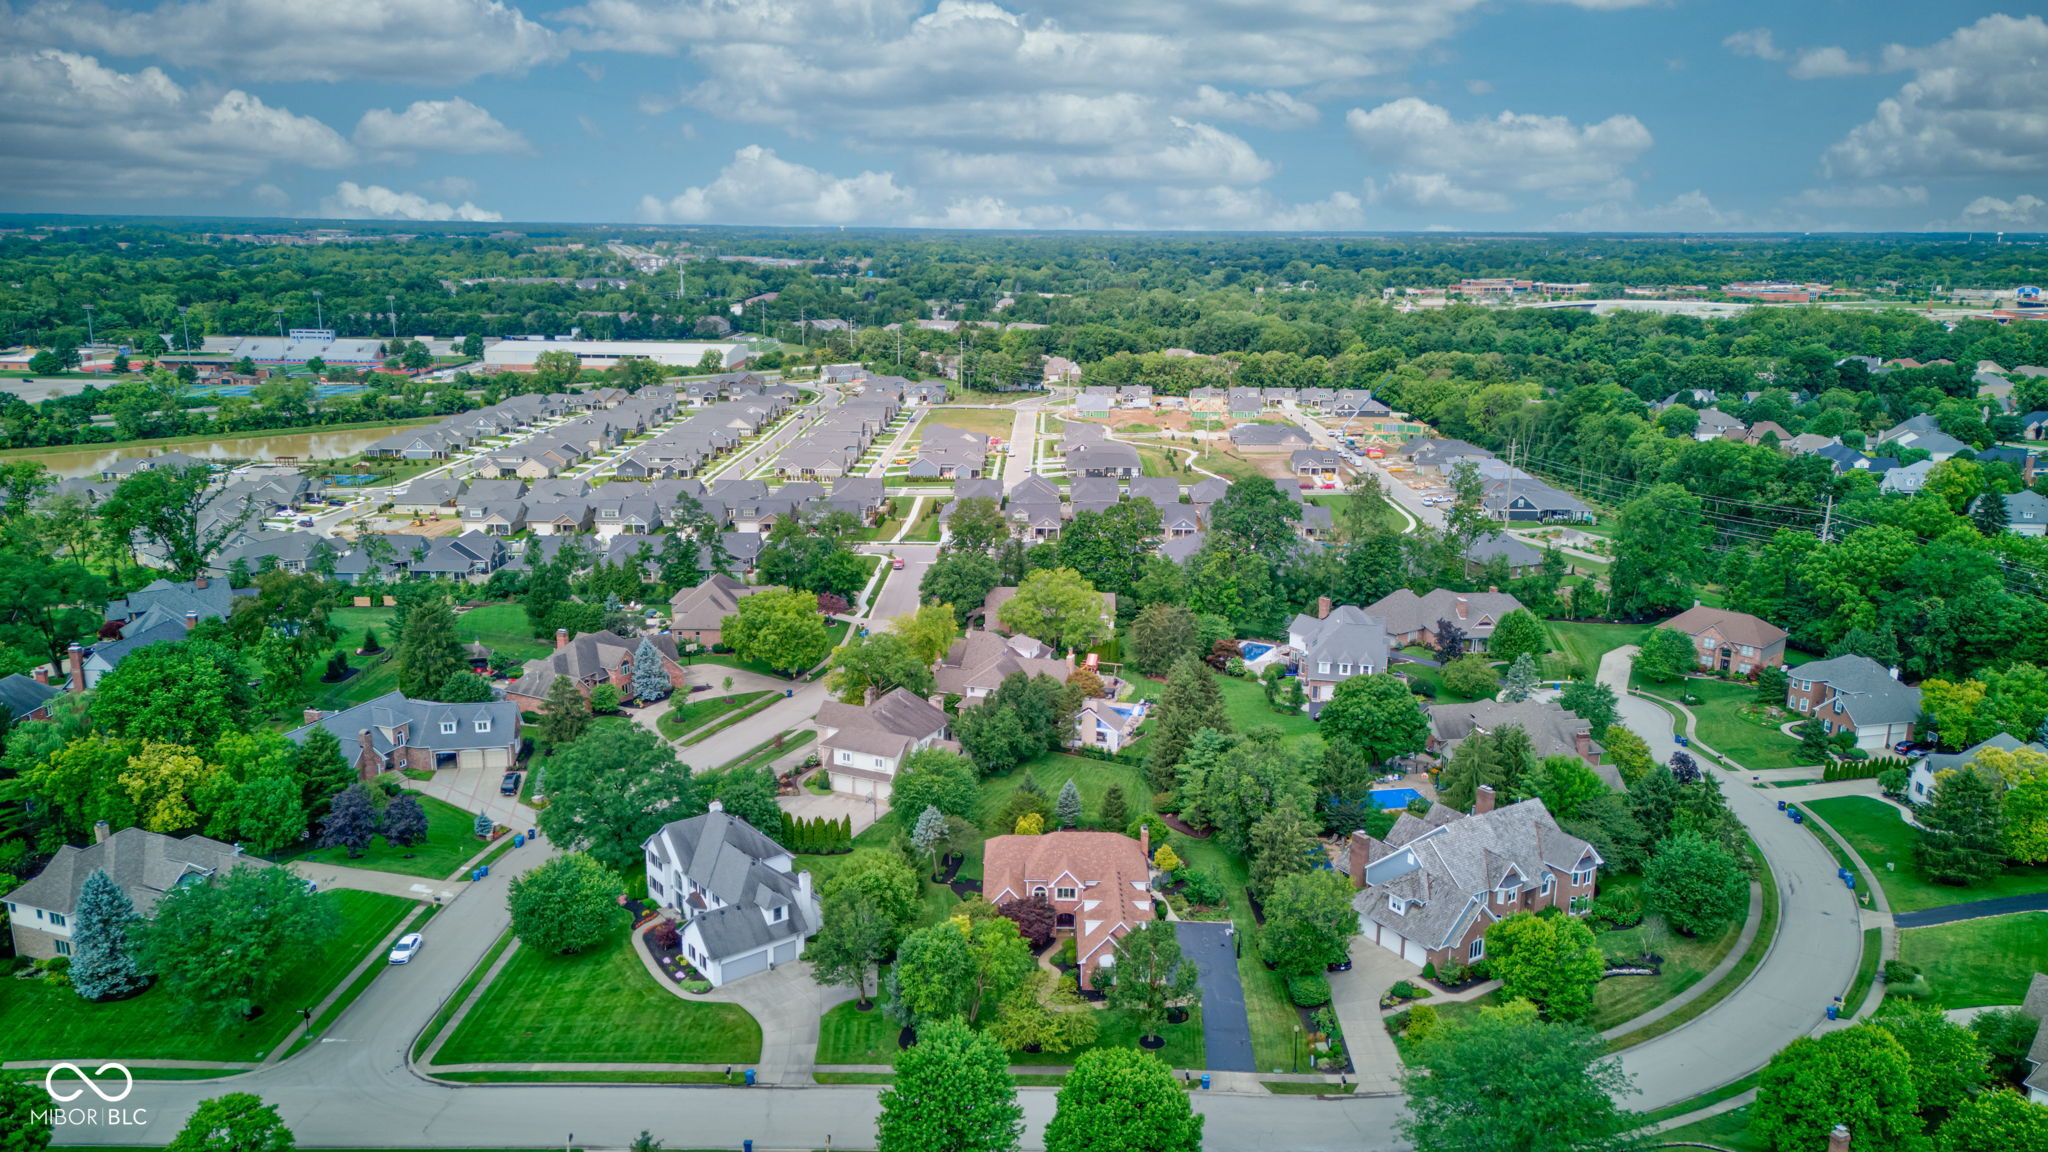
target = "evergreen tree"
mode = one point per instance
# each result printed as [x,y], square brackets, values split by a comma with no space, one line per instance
[1520,681]
[428,652]
[650,681]
[1988,512]
[102,963]
[1962,830]
[1189,704]
[321,770]
[1068,807]
[1114,809]
[404,822]
[567,713]
[925,837]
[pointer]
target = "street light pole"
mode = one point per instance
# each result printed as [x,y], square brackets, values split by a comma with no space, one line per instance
[393,302]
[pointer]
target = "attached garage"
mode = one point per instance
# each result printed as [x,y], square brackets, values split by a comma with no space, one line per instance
[787,951]
[740,966]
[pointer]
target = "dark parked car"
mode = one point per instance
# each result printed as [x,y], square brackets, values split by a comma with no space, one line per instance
[1343,965]
[1912,748]
[510,787]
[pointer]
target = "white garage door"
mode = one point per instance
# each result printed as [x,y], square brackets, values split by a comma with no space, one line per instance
[1412,951]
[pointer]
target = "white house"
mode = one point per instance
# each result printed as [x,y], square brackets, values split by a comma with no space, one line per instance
[864,746]
[1106,724]
[743,907]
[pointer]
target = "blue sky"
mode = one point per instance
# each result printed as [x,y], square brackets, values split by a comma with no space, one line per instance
[1281,114]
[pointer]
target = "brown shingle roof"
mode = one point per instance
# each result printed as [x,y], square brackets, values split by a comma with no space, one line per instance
[1740,627]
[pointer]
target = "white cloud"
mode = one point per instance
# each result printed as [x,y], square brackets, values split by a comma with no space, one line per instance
[1827,64]
[1186,153]
[758,187]
[412,41]
[1862,196]
[2024,211]
[352,201]
[995,212]
[73,126]
[1755,43]
[451,188]
[1977,105]
[446,126]
[1226,207]
[1686,212]
[1448,162]
[271,197]
[1270,109]
[1607,5]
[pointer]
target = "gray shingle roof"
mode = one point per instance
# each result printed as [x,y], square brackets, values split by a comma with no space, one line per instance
[1446,862]
[145,864]
[730,859]
[1865,687]
[395,721]
[21,695]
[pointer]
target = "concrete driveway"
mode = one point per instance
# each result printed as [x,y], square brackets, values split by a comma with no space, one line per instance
[476,790]
[808,805]
[1226,1029]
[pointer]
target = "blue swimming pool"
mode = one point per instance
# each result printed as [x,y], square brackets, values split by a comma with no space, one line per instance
[1252,650]
[1394,797]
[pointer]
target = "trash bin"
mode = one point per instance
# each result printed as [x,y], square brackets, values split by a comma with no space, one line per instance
[1849,878]
[750,1077]
[1781,805]
[1205,1081]
[519,840]
[748,1145]
[533,834]
[1798,817]
[476,874]
[1834,1013]
[788,692]
[1841,873]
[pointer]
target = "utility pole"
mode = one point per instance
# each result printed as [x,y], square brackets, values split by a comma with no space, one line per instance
[182,319]
[392,302]
[88,326]
[319,317]
[1827,520]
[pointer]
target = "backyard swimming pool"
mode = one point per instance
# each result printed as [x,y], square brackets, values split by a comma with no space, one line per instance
[1394,797]
[1251,650]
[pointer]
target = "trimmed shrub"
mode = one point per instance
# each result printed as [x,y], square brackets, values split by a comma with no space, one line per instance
[1621,908]
[1310,991]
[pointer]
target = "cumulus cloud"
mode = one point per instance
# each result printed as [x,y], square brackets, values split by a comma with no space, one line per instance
[1861,196]
[414,41]
[74,126]
[1471,164]
[759,187]
[1270,109]
[1222,206]
[1688,212]
[1977,105]
[1827,64]
[1755,43]
[2023,211]
[353,201]
[446,126]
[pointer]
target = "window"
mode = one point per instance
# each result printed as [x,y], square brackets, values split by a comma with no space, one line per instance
[447,727]
[1396,904]
[1581,879]
[1478,949]
[1063,893]
[483,725]
[1505,894]
[1038,891]
[1323,666]
[1549,882]
[779,914]
[1343,669]
[63,947]
[58,919]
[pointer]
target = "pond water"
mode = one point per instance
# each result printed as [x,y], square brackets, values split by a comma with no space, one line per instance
[92,461]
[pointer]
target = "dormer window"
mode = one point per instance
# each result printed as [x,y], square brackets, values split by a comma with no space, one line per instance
[447,727]
[1505,894]
[780,912]
[1396,905]
[1063,893]
[483,725]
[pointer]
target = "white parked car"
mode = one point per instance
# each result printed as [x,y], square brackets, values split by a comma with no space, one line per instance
[407,947]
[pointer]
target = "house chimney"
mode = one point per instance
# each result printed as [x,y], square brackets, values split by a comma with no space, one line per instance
[1838,1139]
[77,655]
[1894,670]
[1482,800]
[1145,843]
[312,716]
[100,831]
[561,638]
[936,701]
[1493,588]
[42,675]
[367,758]
[199,583]
[1695,603]
[191,621]
[716,806]
[1463,606]
[1360,851]
[1322,607]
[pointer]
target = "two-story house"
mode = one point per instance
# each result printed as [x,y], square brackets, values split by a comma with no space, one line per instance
[1099,885]
[1428,891]
[144,864]
[591,659]
[865,746]
[1855,694]
[393,732]
[1412,619]
[743,906]
[698,613]
[1334,645]
[1730,641]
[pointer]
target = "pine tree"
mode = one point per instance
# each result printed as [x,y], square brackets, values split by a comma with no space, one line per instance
[650,682]
[1068,807]
[1191,702]
[926,837]
[1520,681]
[1962,826]
[370,641]
[567,715]
[482,825]
[428,652]
[102,964]
[1989,514]
[321,770]
[1114,810]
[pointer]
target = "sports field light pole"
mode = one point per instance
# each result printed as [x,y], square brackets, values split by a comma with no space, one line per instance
[279,313]
[392,301]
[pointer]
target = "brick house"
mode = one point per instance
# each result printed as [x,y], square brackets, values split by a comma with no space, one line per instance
[145,865]
[1428,891]
[1730,641]
[1411,619]
[1099,885]
[698,613]
[591,659]
[1855,694]
[393,732]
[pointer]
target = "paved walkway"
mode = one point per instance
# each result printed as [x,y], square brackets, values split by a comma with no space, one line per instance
[1355,995]
[1975,909]
[389,883]
[1226,1029]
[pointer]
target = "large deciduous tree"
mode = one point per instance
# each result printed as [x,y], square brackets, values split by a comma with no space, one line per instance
[1664,655]
[1695,884]
[171,510]
[236,1122]
[780,629]
[879,664]
[1119,1100]
[610,789]
[1378,714]
[1550,961]
[1661,552]
[1860,1076]
[185,693]
[351,820]
[857,935]
[953,1093]
[567,904]
[223,947]
[1309,922]
[1059,607]
[1509,1082]
[1151,975]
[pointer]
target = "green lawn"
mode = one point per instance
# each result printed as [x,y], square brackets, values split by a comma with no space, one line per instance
[1882,837]
[997,422]
[600,1005]
[846,1035]
[1724,728]
[836,630]
[1586,643]
[1729,1130]
[1975,962]
[1440,693]
[686,714]
[927,527]
[768,752]
[1227,466]
[450,842]
[500,626]
[39,1021]
[1687,960]
[1244,704]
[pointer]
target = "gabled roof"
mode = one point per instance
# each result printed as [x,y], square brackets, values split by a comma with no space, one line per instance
[1739,627]
[21,695]
[145,865]
[888,727]
[729,858]
[1866,688]
[1405,612]
[396,721]
[1443,865]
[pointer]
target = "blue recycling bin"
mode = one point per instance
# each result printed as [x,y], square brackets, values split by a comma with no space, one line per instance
[1849,878]
[1841,873]
[1781,805]
[1834,1013]
[748,1145]
[1798,817]
[1205,1081]
[476,874]
[750,1077]
[519,840]
[788,692]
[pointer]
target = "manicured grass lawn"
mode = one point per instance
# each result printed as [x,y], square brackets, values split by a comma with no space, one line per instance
[1687,960]
[836,630]
[1881,836]
[41,1021]
[1723,727]
[1984,961]
[599,1005]
[1092,777]
[1244,704]
[1434,678]
[1272,1018]
[1728,1130]
[686,714]
[1586,643]
[1228,467]
[997,422]
[927,527]
[768,752]
[450,842]
[1339,503]
[501,627]
[847,1035]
